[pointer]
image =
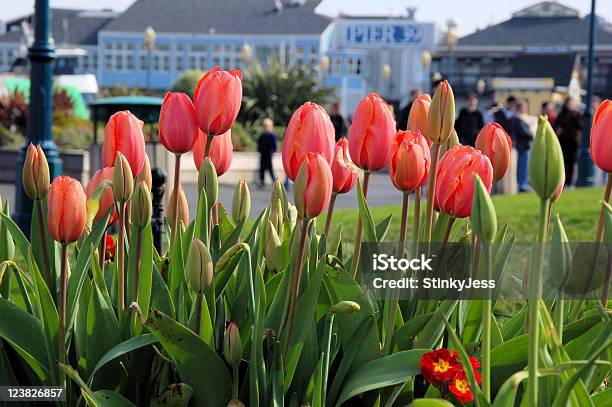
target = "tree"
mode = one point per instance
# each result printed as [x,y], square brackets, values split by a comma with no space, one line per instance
[187,82]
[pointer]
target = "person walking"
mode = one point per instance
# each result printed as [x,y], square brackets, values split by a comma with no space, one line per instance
[548,110]
[266,146]
[525,127]
[469,122]
[404,113]
[338,121]
[568,127]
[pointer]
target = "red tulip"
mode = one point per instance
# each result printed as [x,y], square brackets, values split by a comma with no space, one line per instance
[110,247]
[123,134]
[601,137]
[220,151]
[67,210]
[344,172]
[409,160]
[371,133]
[455,185]
[217,100]
[418,117]
[107,200]
[177,125]
[310,130]
[313,186]
[495,143]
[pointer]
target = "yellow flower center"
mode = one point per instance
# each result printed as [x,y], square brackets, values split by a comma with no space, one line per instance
[442,366]
[462,385]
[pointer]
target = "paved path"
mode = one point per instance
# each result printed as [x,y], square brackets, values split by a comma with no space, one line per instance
[381,192]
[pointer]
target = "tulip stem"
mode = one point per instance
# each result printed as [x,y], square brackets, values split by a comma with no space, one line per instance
[61,336]
[431,190]
[209,140]
[330,213]
[559,314]
[327,336]
[449,228]
[46,267]
[136,290]
[535,292]
[416,225]
[487,309]
[392,310]
[175,203]
[235,383]
[294,294]
[198,314]
[121,262]
[359,229]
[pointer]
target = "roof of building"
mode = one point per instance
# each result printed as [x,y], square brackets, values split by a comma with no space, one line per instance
[548,23]
[68,26]
[283,17]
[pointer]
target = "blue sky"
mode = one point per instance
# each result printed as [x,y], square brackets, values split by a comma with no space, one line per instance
[472,14]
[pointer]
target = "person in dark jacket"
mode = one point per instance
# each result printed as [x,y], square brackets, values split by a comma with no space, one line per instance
[568,127]
[404,113]
[266,146]
[338,121]
[469,122]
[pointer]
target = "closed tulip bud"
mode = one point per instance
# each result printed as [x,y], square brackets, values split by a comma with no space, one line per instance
[293,214]
[225,258]
[123,181]
[560,246]
[221,148]
[452,141]
[442,114]
[123,133]
[142,207]
[183,207]
[107,200]
[279,193]
[235,403]
[241,204]
[344,172]
[371,133]
[66,210]
[601,137]
[207,180]
[546,168]
[495,143]
[145,174]
[217,99]
[35,175]
[273,249]
[309,130]
[232,345]
[410,160]
[313,186]
[484,219]
[199,266]
[177,125]
[455,186]
[345,307]
[276,215]
[418,118]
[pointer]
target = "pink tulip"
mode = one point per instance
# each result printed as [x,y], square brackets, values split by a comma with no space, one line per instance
[67,210]
[371,133]
[220,151]
[123,133]
[107,200]
[601,137]
[455,185]
[217,100]
[313,186]
[409,160]
[344,172]
[310,130]
[177,125]
[495,143]
[418,117]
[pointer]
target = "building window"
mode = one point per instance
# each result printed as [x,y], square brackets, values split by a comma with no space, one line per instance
[354,65]
[336,65]
[198,56]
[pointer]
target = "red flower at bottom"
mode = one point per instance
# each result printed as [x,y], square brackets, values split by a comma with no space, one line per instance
[438,366]
[109,248]
[460,387]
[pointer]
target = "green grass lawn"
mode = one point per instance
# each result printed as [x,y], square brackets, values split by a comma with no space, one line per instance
[578,208]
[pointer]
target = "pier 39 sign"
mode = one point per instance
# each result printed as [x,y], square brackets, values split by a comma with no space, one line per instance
[377,34]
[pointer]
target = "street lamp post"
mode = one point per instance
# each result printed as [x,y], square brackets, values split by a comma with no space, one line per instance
[585,164]
[425,64]
[41,55]
[149,45]
[451,42]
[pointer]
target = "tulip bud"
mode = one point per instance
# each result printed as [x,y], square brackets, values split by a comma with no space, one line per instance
[558,191]
[123,181]
[145,174]
[345,307]
[273,248]
[495,143]
[199,266]
[142,207]
[276,216]
[66,210]
[241,205]
[279,193]
[207,180]
[313,186]
[35,175]
[235,403]
[442,114]
[546,168]
[418,116]
[183,207]
[228,255]
[293,215]
[484,219]
[601,141]
[232,345]
[559,263]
